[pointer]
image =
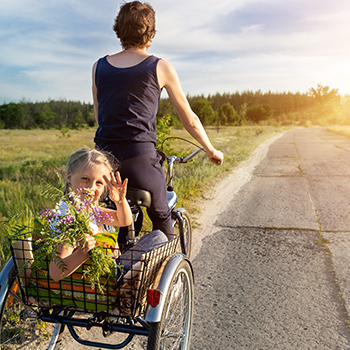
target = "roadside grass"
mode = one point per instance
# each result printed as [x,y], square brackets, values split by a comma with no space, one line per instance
[343,130]
[29,160]
[33,160]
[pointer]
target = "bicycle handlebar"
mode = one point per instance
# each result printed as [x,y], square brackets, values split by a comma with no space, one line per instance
[174,159]
[186,159]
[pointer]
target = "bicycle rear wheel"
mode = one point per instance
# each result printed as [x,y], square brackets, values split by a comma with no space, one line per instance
[183,228]
[174,329]
[22,329]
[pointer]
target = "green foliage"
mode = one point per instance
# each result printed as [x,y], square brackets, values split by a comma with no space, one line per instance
[46,115]
[65,132]
[166,109]
[243,111]
[163,128]
[345,109]
[22,186]
[320,105]
[204,111]
[259,113]
[226,115]
[327,106]
[67,227]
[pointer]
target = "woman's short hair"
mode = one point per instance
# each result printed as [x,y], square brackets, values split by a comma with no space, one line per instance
[135,24]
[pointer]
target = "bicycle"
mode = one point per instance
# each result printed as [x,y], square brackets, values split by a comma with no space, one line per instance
[156,301]
[181,219]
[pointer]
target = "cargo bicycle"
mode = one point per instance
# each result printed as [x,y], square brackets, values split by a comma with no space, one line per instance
[155,301]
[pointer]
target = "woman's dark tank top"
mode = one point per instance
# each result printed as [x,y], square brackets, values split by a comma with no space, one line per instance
[128,100]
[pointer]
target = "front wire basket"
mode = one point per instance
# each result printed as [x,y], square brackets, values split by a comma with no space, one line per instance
[123,296]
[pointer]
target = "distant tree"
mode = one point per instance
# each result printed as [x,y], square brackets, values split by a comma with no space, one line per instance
[259,113]
[204,110]
[243,113]
[320,105]
[25,119]
[167,109]
[227,115]
[9,115]
[44,117]
[327,104]
[346,109]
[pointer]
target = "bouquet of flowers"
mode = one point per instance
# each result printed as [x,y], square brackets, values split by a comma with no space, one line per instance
[67,225]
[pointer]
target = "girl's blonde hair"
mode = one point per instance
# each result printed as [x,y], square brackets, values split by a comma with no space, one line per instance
[87,158]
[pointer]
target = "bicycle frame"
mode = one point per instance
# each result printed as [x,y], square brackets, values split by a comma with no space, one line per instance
[6,277]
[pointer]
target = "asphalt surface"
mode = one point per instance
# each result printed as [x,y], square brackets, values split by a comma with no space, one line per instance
[265,279]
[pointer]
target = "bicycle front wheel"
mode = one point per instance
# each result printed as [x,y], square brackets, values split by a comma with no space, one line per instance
[174,329]
[22,329]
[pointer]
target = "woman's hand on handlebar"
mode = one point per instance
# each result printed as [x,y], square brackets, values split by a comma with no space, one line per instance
[216,157]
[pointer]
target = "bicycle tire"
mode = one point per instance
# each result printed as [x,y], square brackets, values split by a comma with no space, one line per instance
[187,231]
[21,329]
[174,329]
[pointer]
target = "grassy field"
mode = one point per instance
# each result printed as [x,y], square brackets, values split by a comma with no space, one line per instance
[32,160]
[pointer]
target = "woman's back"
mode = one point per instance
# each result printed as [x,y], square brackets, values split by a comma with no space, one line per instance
[128,99]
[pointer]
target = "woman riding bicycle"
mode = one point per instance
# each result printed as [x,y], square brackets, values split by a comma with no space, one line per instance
[126,91]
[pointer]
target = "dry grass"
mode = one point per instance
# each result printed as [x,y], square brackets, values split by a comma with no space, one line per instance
[26,145]
[340,129]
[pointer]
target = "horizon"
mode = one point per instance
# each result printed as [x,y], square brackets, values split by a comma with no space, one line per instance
[24,100]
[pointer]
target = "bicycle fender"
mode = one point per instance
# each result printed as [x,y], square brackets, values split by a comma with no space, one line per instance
[166,272]
[179,210]
[6,278]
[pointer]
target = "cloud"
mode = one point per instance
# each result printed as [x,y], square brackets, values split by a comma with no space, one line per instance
[290,45]
[47,48]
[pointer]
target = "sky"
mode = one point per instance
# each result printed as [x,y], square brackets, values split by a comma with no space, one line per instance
[47,48]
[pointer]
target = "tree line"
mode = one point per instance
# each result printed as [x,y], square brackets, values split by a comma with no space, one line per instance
[320,105]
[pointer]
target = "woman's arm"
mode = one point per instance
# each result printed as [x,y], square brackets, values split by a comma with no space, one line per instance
[68,260]
[169,79]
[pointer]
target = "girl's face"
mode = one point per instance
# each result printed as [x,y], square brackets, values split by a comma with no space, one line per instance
[90,177]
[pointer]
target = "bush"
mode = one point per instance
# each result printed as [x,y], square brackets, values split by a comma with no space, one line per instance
[204,111]
[259,113]
[227,115]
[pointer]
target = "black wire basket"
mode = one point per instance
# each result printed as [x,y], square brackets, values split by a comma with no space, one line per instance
[123,293]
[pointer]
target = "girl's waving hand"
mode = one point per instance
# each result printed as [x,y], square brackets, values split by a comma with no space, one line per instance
[117,188]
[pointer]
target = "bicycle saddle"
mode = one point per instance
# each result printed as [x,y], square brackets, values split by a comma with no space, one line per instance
[136,196]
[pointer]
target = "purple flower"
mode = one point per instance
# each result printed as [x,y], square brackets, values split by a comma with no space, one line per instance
[49,214]
[97,215]
[67,220]
[87,202]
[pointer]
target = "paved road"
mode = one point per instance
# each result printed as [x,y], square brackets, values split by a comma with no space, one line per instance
[264,278]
